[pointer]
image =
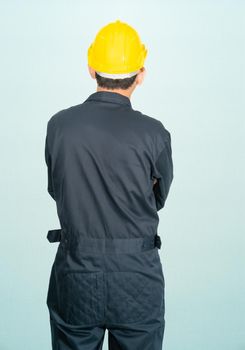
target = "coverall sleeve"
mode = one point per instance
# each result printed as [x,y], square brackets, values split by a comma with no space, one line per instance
[48,161]
[163,171]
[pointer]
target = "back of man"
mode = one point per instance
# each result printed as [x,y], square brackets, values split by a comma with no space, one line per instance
[102,158]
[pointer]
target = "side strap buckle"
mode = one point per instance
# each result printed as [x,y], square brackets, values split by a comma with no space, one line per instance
[54,235]
[158,242]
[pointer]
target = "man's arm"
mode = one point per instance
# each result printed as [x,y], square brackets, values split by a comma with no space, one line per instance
[50,186]
[163,173]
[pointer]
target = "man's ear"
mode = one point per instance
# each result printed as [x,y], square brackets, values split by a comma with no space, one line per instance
[140,76]
[91,72]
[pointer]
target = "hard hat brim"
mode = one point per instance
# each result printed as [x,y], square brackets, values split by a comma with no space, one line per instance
[117,76]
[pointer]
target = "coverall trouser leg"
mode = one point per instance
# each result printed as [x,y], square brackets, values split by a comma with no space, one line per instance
[99,284]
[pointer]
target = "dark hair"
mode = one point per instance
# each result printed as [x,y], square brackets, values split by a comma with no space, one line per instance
[109,83]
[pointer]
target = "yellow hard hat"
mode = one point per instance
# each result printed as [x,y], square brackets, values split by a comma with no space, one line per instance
[117,51]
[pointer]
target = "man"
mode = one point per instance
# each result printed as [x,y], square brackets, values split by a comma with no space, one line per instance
[109,171]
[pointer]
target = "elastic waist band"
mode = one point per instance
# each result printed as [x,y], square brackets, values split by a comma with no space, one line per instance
[102,245]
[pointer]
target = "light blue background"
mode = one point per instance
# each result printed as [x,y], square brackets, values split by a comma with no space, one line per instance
[194,85]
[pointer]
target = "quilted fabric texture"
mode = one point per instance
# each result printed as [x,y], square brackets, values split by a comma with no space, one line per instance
[84,290]
[133,296]
[81,298]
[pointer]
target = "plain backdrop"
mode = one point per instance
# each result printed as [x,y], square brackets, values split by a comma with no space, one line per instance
[194,84]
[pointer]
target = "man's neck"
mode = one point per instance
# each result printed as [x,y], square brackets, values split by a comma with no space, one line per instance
[126,93]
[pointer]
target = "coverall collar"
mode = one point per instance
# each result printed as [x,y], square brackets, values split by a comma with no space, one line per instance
[109,96]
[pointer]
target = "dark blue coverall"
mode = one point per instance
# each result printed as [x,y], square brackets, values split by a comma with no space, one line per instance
[102,157]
